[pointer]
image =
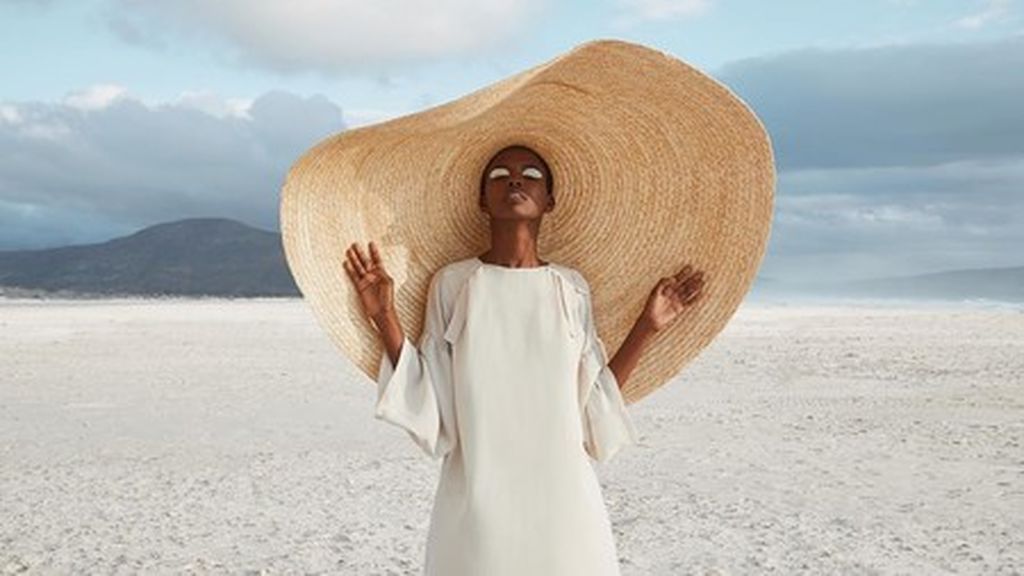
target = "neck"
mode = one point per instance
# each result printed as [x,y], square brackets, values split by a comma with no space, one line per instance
[513,243]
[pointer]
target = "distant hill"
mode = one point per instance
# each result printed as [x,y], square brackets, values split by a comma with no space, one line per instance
[191,257]
[1005,284]
[999,284]
[226,258]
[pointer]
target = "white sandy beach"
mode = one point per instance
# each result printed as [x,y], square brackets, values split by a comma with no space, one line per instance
[216,436]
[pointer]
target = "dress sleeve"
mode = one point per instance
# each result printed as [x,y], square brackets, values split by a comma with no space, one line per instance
[607,425]
[416,393]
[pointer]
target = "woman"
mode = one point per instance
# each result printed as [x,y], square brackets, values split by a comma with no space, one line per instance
[511,385]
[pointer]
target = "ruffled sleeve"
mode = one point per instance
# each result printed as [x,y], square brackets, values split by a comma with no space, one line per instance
[607,425]
[416,393]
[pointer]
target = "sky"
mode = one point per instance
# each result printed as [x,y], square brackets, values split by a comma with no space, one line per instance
[896,124]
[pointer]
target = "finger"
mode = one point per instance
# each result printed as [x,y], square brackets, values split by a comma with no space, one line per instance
[680,294]
[368,260]
[691,285]
[674,281]
[687,274]
[350,257]
[375,255]
[696,278]
[692,297]
[360,260]
[682,274]
[348,270]
[695,287]
[686,285]
[665,285]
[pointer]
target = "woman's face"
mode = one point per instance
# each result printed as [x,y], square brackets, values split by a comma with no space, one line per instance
[516,186]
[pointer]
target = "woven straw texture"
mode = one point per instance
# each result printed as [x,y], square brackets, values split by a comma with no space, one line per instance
[655,164]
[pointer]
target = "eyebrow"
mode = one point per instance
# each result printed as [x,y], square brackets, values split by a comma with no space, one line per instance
[526,166]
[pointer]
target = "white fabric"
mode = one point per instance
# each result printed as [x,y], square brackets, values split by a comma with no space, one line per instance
[510,385]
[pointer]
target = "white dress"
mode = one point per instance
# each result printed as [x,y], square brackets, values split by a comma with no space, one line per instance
[510,385]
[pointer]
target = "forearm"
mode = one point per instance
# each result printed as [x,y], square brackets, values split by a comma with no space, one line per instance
[390,331]
[628,355]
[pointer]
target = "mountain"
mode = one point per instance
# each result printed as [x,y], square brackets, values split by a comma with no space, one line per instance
[223,257]
[998,284]
[1006,284]
[191,257]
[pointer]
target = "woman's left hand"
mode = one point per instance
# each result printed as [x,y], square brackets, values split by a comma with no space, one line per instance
[671,297]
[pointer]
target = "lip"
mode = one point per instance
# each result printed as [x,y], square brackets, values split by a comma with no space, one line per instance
[516,194]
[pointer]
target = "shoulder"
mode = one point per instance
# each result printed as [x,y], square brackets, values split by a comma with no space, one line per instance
[447,281]
[454,273]
[574,276]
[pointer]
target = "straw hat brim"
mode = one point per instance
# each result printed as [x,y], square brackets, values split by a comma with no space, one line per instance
[655,164]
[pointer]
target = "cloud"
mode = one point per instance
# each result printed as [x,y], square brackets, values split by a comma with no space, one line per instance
[635,11]
[95,97]
[994,11]
[214,104]
[857,212]
[327,36]
[9,114]
[102,162]
[893,159]
[903,105]
[860,222]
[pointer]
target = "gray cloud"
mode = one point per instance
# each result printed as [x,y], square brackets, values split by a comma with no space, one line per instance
[896,160]
[857,223]
[909,105]
[70,174]
[893,160]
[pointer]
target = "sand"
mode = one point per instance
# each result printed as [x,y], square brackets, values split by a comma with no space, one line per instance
[218,436]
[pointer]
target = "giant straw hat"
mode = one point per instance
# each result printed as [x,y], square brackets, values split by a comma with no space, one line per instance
[654,163]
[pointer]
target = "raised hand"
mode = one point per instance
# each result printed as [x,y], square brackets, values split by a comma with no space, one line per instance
[372,282]
[671,296]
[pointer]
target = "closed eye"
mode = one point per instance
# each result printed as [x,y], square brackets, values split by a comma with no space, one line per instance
[532,172]
[498,173]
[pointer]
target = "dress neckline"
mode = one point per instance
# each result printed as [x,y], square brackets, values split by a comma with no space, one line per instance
[512,269]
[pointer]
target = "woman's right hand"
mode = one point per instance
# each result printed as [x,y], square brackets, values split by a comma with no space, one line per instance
[371,281]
